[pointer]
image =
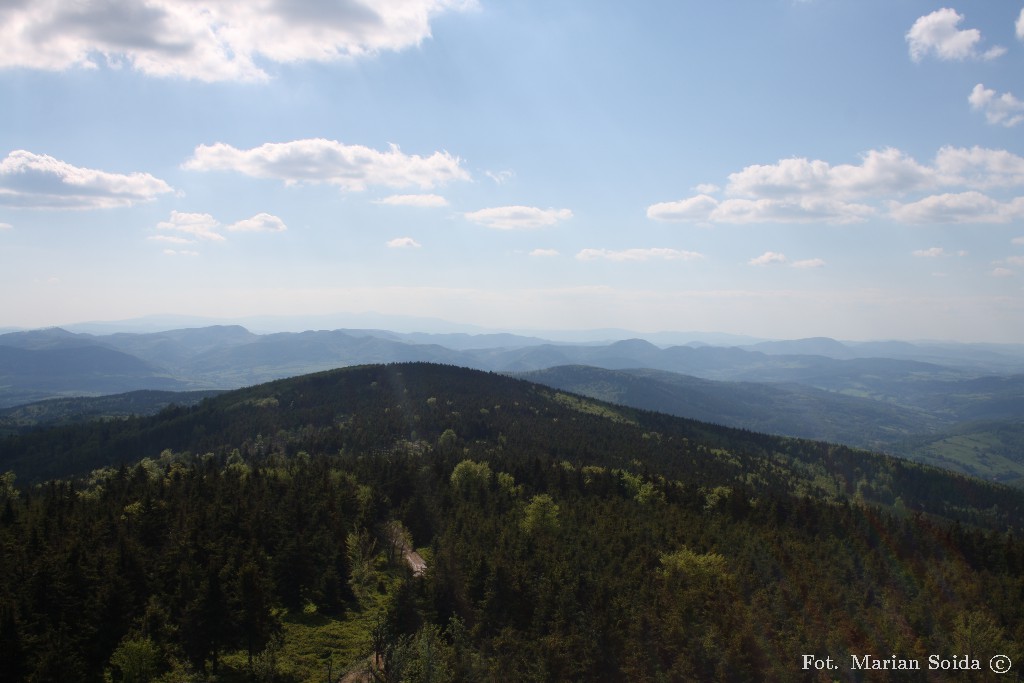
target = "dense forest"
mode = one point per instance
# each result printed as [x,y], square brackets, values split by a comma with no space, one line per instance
[265,534]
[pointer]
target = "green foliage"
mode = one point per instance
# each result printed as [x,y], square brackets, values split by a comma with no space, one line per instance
[136,660]
[563,546]
[541,516]
[469,477]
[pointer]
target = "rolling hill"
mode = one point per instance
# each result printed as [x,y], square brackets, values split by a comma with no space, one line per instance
[263,532]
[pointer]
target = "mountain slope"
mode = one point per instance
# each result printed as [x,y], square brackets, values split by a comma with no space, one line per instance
[28,374]
[264,532]
[375,407]
[58,411]
[785,409]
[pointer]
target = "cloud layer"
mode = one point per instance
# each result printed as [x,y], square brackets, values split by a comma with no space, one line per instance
[518,217]
[187,228]
[801,190]
[350,167]
[39,181]
[208,40]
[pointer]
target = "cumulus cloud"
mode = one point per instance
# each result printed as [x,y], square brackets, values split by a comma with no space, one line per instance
[6,226]
[211,40]
[403,243]
[888,170]
[936,34]
[963,207]
[800,190]
[1015,260]
[188,228]
[261,222]
[659,253]
[30,180]
[201,226]
[1019,241]
[768,258]
[1002,110]
[696,209]
[1020,25]
[544,252]
[518,217]
[795,210]
[931,252]
[809,263]
[350,167]
[978,168]
[1002,272]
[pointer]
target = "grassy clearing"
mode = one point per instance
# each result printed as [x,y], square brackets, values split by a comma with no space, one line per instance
[585,406]
[313,641]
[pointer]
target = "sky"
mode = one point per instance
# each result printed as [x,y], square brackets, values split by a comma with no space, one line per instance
[775,168]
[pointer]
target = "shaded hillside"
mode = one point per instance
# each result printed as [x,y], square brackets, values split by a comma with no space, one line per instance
[261,535]
[58,411]
[989,450]
[31,374]
[373,407]
[786,409]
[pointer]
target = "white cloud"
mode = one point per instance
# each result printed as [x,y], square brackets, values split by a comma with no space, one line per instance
[887,170]
[421,200]
[963,207]
[261,222]
[1002,272]
[809,263]
[180,252]
[39,181]
[6,226]
[696,209]
[978,168]
[706,188]
[937,34]
[800,190]
[518,217]
[200,225]
[1015,260]
[796,210]
[544,252]
[403,243]
[1019,241]
[350,167]
[1020,25]
[931,252]
[500,177]
[1004,110]
[638,254]
[212,40]
[768,258]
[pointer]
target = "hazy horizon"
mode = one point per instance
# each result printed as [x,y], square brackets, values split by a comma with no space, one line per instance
[401,324]
[779,170]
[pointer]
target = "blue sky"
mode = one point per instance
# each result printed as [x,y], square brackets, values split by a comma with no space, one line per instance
[777,168]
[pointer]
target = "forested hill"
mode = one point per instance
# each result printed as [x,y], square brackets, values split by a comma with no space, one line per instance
[371,408]
[260,535]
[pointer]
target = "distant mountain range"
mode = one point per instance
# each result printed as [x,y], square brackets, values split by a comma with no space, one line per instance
[917,400]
